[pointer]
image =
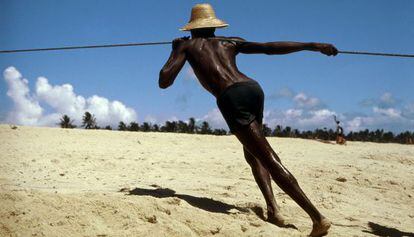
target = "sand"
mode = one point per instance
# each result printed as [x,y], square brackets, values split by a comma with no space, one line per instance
[61,182]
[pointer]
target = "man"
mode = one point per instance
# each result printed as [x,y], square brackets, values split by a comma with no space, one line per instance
[340,139]
[240,100]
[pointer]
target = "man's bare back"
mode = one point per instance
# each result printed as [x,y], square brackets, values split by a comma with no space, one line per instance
[212,59]
[214,63]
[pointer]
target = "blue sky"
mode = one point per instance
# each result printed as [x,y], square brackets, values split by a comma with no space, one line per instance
[303,89]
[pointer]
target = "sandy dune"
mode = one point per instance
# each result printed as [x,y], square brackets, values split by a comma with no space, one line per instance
[56,182]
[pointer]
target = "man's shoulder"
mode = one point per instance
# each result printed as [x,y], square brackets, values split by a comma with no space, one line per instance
[231,38]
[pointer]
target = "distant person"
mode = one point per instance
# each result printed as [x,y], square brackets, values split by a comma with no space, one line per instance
[340,138]
[240,100]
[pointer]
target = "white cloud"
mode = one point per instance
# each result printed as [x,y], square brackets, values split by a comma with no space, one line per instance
[172,118]
[299,100]
[408,111]
[300,119]
[318,118]
[376,121]
[109,112]
[386,100]
[294,113]
[389,112]
[47,103]
[282,93]
[390,119]
[307,114]
[381,118]
[385,115]
[304,101]
[26,108]
[215,119]
[61,99]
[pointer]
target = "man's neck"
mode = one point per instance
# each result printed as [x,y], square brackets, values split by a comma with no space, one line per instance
[202,34]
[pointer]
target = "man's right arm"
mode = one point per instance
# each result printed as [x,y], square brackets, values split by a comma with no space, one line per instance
[174,64]
[272,48]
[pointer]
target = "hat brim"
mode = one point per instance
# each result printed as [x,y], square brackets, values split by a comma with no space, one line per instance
[205,23]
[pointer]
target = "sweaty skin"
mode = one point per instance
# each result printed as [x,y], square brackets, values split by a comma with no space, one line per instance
[213,60]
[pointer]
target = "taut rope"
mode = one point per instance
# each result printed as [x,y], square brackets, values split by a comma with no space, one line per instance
[168,42]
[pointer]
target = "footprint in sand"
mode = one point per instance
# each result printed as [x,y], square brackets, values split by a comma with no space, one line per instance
[151,219]
[174,201]
[255,223]
[215,230]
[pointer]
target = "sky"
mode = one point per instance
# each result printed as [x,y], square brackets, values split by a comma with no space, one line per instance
[303,90]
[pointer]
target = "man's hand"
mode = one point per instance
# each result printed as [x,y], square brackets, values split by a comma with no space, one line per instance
[178,41]
[327,49]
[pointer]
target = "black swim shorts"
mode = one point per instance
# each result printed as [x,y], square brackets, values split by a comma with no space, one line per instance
[241,103]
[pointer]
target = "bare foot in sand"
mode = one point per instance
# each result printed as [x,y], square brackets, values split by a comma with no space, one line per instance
[320,228]
[278,220]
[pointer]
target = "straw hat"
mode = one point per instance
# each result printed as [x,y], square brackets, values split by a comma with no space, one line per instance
[203,16]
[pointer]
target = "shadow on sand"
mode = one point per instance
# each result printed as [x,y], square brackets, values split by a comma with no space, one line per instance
[380,230]
[203,203]
[206,204]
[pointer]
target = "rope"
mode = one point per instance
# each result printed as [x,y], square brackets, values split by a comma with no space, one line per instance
[168,42]
[378,54]
[83,47]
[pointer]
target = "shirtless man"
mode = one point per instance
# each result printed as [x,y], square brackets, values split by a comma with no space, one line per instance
[240,100]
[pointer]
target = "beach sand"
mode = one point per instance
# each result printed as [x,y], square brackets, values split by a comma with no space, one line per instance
[61,182]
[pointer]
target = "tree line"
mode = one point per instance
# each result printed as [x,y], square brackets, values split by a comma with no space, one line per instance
[89,122]
[379,135]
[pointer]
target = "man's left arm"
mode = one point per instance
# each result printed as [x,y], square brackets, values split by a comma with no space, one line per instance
[286,48]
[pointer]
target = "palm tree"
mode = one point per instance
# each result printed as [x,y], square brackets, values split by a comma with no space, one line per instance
[286,132]
[108,127]
[379,135]
[388,137]
[277,132]
[145,127]
[133,126]
[267,132]
[182,127]
[89,121]
[169,126]
[191,125]
[155,128]
[122,126]
[205,128]
[404,138]
[66,122]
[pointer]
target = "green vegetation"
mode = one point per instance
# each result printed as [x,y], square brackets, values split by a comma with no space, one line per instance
[191,127]
[89,121]
[66,122]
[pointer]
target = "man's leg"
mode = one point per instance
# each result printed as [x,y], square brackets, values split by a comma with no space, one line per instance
[253,140]
[262,178]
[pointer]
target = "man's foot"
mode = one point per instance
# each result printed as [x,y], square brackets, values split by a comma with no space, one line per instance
[320,228]
[278,220]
